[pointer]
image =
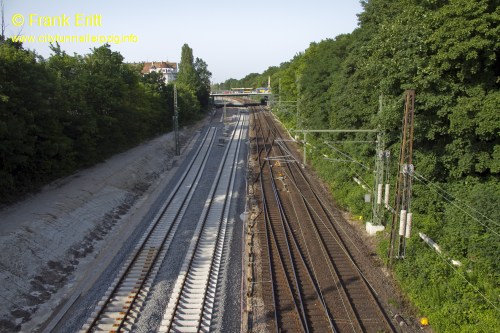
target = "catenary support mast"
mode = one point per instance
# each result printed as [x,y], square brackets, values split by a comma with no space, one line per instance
[176,123]
[402,206]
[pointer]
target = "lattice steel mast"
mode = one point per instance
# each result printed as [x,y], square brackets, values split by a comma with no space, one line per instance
[381,177]
[176,123]
[402,206]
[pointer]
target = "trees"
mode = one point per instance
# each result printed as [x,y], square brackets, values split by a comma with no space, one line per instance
[203,76]
[32,142]
[448,51]
[187,73]
[157,100]
[68,112]
[194,77]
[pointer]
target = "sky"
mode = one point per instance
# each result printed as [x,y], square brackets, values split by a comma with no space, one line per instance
[235,38]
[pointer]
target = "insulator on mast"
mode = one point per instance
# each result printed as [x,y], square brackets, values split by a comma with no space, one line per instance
[386,198]
[409,220]
[402,222]
[379,194]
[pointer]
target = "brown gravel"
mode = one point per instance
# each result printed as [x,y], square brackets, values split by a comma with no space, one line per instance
[361,245]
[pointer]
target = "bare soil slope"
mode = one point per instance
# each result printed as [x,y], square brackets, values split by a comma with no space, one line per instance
[48,240]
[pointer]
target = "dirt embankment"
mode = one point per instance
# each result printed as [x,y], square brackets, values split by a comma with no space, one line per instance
[48,240]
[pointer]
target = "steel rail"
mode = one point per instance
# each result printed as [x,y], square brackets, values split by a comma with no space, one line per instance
[272,238]
[329,303]
[341,243]
[364,324]
[294,247]
[343,297]
[186,308]
[120,313]
[312,275]
[267,237]
[294,270]
[337,319]
[210,298]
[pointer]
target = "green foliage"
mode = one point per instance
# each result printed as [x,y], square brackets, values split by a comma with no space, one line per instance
[187,73]
[195,77]
[203,76]
[69,112]
[188,104]
[32,142]
[449,52]
[252,80]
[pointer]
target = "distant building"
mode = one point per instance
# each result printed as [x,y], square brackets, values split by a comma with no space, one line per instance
[167,69]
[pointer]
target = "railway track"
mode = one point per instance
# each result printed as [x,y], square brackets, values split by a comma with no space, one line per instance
[298,301]
[121,304]
[191,304]
[337,298]
[190,307]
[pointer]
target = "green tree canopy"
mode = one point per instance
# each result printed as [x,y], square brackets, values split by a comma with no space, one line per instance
[449,52]
[70,111]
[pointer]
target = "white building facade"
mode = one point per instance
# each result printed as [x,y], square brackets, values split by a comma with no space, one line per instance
[167,69]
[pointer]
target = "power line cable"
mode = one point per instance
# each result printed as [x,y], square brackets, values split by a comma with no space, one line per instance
[462,202]
[361,178]
[476,289]
[428,184]
[348,156]
[350,159]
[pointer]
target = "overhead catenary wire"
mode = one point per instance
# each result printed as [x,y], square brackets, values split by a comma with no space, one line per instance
[461,202]
[476,289]
[354,141]
[347,156]
[361,178]
[351,159]
[432,186]
[429,184]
